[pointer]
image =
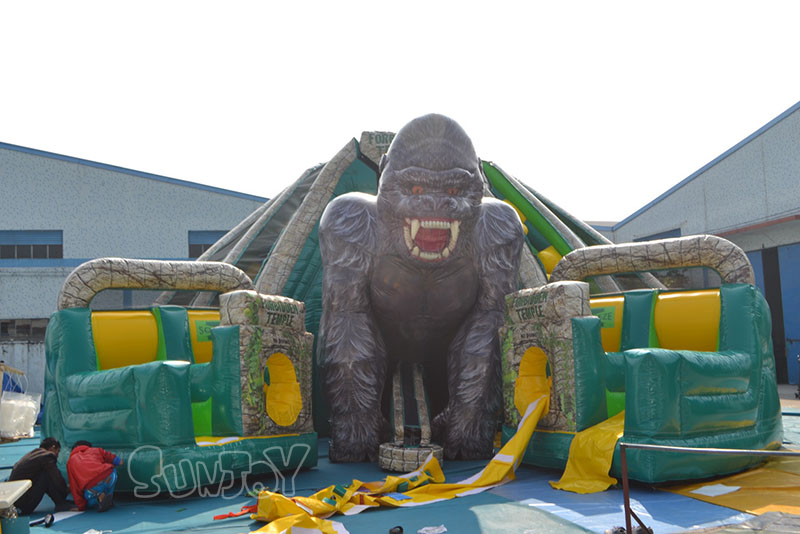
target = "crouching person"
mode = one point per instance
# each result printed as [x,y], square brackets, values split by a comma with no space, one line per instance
[39,466]
[92,474]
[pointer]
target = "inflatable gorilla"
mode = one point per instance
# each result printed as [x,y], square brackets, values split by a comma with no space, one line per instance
[417,274]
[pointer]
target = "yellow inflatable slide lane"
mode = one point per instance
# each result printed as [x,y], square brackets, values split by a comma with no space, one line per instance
[590,456]
[424,486]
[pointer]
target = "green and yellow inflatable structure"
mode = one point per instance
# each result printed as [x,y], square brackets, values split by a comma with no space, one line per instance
[617,354]
[187,397]
[666,367]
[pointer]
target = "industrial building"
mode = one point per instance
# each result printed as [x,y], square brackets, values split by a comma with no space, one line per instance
[60,211]
[749,195]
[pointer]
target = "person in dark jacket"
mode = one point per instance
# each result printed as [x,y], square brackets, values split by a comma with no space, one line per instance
[92,473]
[39,466]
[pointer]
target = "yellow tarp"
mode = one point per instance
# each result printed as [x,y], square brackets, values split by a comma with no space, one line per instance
[773,487]
[425,485]
[307,523]
[590,456]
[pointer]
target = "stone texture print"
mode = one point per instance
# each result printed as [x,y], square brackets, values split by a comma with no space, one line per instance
[269,325]
[91,277]
[542,317]
[692,251]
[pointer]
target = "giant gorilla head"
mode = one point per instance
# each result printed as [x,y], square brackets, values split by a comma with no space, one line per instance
[430,190]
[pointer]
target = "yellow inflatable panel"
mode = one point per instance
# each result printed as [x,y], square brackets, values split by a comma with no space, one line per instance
[549,258]
[213,441]
[284,401]
[520,214]
[688,320]
[609,309]
[124,337]
[201,342]
[532,381]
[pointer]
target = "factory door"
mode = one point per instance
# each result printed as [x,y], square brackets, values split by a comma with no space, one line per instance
[789,260]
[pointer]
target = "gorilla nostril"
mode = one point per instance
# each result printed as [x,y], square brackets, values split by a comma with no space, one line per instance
[446,204]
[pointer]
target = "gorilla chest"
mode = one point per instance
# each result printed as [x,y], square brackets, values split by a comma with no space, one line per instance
[413,302]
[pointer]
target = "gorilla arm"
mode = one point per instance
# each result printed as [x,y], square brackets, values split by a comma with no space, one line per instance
[467,426]
[352,351]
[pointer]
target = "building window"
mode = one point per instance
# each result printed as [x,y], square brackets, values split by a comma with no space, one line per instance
[675,232]
[32,330]
[25,244]
[201,240]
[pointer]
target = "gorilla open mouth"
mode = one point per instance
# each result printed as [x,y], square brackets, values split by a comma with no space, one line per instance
[431,239]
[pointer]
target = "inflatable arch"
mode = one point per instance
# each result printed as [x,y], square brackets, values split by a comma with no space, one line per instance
[688,367]
[187,397]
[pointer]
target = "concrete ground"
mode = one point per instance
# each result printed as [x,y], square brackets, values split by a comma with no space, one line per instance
[787,393]
[768,523]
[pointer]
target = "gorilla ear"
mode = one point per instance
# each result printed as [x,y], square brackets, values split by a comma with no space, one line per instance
[382,165]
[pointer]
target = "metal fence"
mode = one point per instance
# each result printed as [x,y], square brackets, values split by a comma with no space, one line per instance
[668,448]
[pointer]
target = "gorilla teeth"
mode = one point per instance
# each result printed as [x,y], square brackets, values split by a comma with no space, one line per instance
[427,223]
[453,235]
[407,237]
[411,228]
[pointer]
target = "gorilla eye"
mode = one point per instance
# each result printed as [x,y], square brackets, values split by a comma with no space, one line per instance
[417,189]
[452,190]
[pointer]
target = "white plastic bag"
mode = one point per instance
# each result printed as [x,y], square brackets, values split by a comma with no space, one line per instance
[18,412]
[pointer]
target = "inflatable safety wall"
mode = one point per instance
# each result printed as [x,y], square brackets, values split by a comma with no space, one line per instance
[688,367]
[187,397]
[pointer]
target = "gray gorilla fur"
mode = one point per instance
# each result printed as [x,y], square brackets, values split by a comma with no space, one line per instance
[418,273]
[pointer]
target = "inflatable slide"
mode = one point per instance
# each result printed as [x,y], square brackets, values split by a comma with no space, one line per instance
[186,397]
[204,387]
[687,367]
[278,245]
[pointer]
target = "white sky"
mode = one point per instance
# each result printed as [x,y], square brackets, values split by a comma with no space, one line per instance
[599,105]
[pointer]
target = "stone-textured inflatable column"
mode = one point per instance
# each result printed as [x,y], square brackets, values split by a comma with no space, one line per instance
[272,338]
[540,321]
[710,251]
